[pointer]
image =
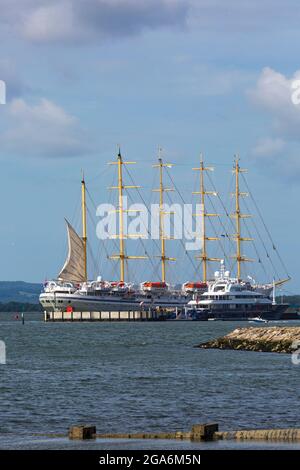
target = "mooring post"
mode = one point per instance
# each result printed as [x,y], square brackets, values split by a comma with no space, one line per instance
[204,432]
[82,432]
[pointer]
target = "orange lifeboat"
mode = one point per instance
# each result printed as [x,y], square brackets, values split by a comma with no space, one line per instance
[154,286]
[119,286]
[194,286]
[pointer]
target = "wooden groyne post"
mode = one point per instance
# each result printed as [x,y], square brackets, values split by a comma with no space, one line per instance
[82,432]
[198,433]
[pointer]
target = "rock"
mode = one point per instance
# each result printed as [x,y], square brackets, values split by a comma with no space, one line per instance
[266,339]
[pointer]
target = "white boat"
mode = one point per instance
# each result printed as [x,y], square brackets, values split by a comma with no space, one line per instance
[258,320]
[229,299]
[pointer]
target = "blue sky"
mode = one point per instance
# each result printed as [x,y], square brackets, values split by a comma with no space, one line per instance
[190,76]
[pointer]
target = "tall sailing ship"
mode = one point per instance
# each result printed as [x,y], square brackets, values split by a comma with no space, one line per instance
[228,297]
[223,297]
[72,289]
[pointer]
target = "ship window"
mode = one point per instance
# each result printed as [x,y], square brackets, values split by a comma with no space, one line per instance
[218,288]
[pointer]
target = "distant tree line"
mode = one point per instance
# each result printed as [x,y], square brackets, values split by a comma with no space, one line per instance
[293,300]
[19,307]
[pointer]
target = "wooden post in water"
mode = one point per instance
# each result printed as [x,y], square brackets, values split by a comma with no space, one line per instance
[204,432]
[82,432]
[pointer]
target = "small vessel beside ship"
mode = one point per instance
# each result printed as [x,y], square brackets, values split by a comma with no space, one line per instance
[228,298]
[258,320]
[221,298]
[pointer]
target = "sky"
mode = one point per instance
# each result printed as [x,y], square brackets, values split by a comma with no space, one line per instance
[84,76]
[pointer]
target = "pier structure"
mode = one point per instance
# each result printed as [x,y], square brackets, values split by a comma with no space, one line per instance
[141,315]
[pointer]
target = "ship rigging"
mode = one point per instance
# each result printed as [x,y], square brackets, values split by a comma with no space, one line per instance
[73,289]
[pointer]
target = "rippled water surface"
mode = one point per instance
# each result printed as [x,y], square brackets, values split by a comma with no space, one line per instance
[130,377]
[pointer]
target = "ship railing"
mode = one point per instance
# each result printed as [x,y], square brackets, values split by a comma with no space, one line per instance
[54,286]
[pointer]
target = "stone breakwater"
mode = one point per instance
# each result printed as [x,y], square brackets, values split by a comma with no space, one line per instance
[266,339]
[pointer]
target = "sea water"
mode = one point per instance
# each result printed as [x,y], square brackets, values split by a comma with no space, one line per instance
[136,377]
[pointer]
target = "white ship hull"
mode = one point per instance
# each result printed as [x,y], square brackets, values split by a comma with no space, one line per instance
[86,303]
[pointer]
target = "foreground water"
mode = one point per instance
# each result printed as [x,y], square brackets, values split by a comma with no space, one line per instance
[131,377]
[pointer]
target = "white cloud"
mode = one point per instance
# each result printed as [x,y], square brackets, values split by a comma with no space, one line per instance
[268,147]
[273,94]
[82,20]
[53,22]
[42,129]
[86,20]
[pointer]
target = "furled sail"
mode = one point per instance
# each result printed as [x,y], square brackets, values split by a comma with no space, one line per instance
[73,269]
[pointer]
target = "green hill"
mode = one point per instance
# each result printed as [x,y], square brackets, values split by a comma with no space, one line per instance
[19,307]
[293,300]
[19,291]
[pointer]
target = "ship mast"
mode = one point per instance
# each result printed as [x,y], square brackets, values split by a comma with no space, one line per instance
[203,214]
[121,256]
[162,213]
[238,216]
[84,227]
